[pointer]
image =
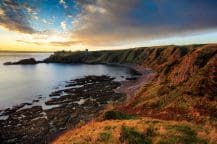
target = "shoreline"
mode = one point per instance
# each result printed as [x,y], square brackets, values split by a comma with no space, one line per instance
[20,118]
[140,76]
[32,61]
[127,87]
[131,87]
[77,105]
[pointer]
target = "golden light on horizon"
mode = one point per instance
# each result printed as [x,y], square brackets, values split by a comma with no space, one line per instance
[15,41]
[54,25]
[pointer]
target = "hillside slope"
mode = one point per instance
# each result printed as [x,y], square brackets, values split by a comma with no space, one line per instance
[186,80]
[183,89]
[139,131]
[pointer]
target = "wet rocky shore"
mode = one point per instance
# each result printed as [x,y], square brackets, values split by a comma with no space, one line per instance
[78,102]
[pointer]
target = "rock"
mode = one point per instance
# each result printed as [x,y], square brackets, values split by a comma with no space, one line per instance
[9,111]
[23,62]
[8,63]
[35,101]
[134,72]
[81,102]
[56,93]
[131,78]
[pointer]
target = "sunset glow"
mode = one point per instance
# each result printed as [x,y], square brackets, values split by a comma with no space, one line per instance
[47,25]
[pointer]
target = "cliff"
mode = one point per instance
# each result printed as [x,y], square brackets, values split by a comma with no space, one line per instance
[185,81]
[183,89]
[131,56]
[192,66]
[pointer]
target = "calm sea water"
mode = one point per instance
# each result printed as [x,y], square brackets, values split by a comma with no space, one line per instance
[25,83]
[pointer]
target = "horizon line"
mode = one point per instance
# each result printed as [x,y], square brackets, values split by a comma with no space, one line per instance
[26,51]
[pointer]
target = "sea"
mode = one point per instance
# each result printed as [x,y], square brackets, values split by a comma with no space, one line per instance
[26,83]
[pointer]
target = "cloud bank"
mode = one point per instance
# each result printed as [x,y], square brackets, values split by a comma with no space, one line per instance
[109,22]
[104,22]
[14,16]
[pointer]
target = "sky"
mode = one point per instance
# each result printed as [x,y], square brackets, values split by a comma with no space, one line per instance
[52,25]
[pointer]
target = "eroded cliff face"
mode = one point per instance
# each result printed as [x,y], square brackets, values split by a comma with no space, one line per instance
[185,82]
[185,87]
[194,68]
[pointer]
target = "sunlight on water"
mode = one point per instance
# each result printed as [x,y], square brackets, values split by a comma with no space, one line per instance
[25,83]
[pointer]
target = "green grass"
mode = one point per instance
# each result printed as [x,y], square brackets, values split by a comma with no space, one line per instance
[106,137]
[133,56]
[182,135]
[132,136]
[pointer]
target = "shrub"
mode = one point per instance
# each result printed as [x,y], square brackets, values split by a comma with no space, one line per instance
[183,135]
[131,136]
[150,132]
[105,137]
[116,115]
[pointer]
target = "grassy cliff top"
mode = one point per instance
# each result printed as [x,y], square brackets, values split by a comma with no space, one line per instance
[184,89]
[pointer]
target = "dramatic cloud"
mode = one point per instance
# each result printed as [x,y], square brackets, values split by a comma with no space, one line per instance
[62,2]
[63,25]
[14,17]
[103,22]
[48,21]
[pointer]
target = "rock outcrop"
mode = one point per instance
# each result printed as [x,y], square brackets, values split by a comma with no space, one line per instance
[29,61]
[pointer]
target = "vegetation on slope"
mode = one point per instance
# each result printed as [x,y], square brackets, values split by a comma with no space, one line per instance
[138,131]
[116,115]
[184,89]
[131,56]
[186,75]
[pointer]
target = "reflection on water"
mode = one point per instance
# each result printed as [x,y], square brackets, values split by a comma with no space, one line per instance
[24,83]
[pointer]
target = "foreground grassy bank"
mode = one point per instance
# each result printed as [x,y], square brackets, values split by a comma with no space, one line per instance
[138,131]
[184,89]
